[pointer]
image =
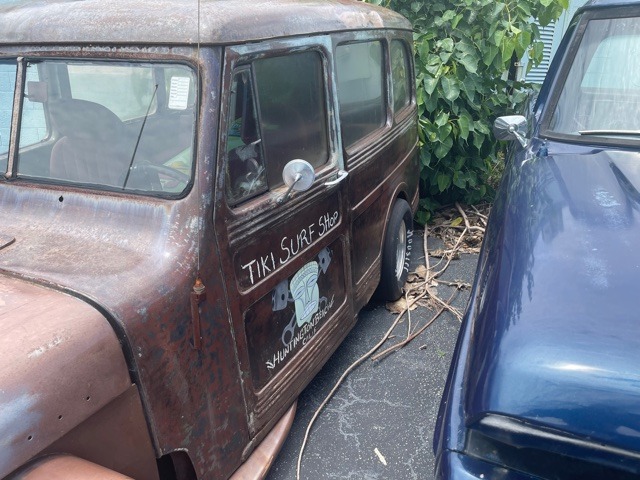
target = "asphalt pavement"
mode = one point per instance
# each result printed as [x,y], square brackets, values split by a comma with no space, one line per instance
[379,424]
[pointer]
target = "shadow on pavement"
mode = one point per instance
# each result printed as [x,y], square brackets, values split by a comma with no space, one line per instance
[389,405]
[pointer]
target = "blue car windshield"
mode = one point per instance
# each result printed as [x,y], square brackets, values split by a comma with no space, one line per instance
[601,95]
[108,125]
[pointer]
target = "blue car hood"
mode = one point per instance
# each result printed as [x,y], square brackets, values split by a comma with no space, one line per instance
[556,336]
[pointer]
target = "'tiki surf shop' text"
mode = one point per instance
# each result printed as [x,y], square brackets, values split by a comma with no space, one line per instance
[290,246]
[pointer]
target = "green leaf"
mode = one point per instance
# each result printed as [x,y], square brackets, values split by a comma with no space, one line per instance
[446,44]
[431,103]
[478,140]
[444,181]
[498,37]
[464,126]
[537,52]
[450,88]
[462,50]
[465,47]
[445,56]
[525,8]
[497,9]
[469,62]
[441,119]
[443,148]
[507,48]
[445,130]
[546,16]
[430,84]
[448,15]
[425,158]
[423,216]
[480,126]
[456,21]
[522,43]
[423,48]
[434,70]
[470,88]
[472,178]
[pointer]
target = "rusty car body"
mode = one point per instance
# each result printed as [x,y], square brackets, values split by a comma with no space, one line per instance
[165,295]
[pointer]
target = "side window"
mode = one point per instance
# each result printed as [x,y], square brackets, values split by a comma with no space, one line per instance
[277,113]
[400,75]
[291,103]
[360,71]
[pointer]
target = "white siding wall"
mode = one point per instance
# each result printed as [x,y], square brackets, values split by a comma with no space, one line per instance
[551,36]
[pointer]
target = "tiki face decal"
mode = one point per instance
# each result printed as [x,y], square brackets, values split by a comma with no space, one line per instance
[305,292]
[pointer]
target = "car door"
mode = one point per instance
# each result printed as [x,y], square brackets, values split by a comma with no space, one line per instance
[285,254]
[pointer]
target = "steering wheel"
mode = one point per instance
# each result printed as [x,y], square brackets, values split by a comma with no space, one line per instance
[159,177]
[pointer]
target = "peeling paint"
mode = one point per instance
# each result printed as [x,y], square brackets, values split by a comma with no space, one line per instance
[17,421]
[44,348]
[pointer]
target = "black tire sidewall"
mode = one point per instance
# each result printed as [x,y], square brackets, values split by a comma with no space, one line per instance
[390,287]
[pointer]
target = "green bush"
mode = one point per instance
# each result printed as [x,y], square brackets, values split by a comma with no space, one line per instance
[464,50]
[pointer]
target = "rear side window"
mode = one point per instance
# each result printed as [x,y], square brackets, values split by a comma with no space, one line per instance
[360,71]
[400,75]
[277,114]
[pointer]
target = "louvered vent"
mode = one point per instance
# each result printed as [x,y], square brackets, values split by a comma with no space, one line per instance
[537,74]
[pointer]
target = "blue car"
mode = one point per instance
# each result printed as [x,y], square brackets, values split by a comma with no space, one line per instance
[545,378]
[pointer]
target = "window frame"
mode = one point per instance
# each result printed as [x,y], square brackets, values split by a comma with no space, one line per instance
[557,84]
[386,93]
[12,172]
[243,55]
[410,76]
[5,164]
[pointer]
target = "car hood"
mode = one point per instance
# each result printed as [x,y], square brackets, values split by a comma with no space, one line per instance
[556,338]
[60,363]
[121,252]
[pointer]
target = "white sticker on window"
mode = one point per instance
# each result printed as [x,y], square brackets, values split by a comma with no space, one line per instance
[179,93]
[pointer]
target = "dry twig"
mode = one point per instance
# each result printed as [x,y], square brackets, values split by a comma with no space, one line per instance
[418,292]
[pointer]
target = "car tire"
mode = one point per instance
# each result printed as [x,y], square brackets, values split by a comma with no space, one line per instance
[396,252]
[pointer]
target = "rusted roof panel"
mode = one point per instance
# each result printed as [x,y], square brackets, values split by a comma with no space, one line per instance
[175,21]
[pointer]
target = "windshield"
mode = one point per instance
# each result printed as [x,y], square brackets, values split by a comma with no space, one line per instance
[111,125]
[601,95]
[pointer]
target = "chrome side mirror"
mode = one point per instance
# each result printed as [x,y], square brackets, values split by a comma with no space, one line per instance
[511,127]
[298,175]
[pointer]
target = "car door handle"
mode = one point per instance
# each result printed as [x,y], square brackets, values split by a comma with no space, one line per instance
[341,176]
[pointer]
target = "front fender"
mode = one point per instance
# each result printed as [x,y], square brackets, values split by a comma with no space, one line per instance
[61,362]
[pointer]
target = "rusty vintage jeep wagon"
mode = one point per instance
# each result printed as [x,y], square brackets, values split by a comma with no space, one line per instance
[196,200]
